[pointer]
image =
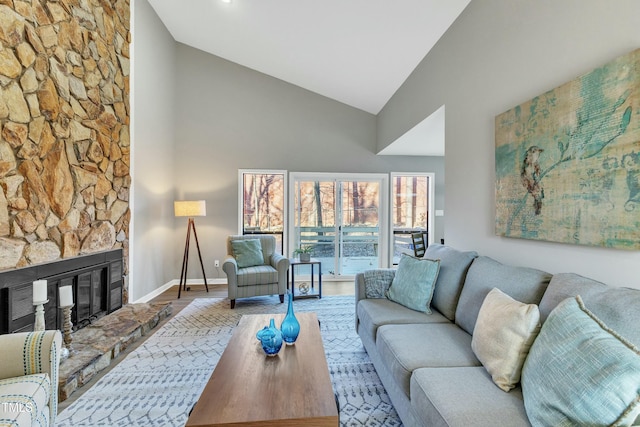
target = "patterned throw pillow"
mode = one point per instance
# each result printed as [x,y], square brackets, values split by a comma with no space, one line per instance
[247,253]
[376,282]
[414,282]
[579,372]
[503,335]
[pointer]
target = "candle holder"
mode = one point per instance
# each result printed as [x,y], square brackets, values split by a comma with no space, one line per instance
[67,351]
[39,323]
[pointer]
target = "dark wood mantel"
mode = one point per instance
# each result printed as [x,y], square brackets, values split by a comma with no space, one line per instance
[97,290]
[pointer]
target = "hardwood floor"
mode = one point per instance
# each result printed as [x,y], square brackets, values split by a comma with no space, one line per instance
[197,291]
[220,291]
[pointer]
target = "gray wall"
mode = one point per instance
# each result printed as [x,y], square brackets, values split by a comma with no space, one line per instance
[153,76]
[499,54]
[229,117]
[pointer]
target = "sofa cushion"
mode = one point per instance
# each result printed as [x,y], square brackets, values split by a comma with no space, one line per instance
[247,252]
[503,335]
[580,372]
[374,313]
[615,306]
[259,274]
[454,265]
[521,283]
[25,399]
[413,283]
[405,348]
[463,397]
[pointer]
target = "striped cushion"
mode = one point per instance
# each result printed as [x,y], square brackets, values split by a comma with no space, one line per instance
[257,275]
[579,372]
[24,400]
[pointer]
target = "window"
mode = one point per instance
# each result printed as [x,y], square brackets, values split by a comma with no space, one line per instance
[412,210]
[343,218]
[262,203]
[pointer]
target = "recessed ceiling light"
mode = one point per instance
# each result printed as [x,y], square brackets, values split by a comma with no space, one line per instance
[226,1]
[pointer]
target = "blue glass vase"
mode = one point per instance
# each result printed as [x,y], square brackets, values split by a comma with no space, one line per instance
[290,326]
[270,338]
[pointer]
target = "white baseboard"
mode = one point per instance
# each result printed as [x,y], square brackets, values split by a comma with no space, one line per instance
[151,295]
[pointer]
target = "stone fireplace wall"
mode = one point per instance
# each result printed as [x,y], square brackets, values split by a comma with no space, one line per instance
[64,129]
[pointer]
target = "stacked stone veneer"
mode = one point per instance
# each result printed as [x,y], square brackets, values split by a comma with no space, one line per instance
[64,127]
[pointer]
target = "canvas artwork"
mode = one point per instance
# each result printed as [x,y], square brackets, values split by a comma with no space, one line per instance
[568,161]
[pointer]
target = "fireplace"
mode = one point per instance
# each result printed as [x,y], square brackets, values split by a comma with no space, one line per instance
[96,280]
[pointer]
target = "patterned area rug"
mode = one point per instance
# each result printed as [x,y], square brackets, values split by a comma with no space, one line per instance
[158,383]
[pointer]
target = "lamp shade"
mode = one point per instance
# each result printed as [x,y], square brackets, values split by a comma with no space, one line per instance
[190,208]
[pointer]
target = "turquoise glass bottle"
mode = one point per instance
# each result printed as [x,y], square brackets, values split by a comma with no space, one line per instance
[290,326]
[271,339]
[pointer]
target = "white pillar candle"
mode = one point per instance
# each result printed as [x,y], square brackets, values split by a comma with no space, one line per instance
[66,296]
[39,291]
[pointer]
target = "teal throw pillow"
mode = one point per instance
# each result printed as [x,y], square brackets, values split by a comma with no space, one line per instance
[579,372]
[247,253]
[414,282]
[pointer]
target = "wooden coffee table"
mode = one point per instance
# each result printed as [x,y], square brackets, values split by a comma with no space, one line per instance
[247,388]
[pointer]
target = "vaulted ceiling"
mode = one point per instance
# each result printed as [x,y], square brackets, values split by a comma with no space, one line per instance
[358,52]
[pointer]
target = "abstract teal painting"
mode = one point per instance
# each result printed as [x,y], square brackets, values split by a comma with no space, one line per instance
[568,161]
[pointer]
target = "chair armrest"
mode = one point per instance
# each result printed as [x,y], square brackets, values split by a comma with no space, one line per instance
[279,262]
[29,353]
[230,267]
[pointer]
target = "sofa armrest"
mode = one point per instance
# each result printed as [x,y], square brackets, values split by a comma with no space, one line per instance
[372,284]
[29,353]
[360,290]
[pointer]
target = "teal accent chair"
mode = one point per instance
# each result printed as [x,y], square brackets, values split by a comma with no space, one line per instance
[269,278]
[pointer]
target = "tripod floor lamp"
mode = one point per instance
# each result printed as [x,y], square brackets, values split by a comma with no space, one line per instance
[190,209]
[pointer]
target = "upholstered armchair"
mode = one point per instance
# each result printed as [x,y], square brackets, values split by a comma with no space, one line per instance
[254,268]
[29,378]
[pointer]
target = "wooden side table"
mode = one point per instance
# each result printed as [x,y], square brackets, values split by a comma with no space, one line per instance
[312,290]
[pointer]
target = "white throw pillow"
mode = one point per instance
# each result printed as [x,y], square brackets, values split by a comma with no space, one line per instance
[503,335]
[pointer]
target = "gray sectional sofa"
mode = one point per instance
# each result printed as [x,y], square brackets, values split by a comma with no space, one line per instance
[426,361]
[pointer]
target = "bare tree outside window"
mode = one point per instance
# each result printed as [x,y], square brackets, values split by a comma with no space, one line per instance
[263,204]
[339,221]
